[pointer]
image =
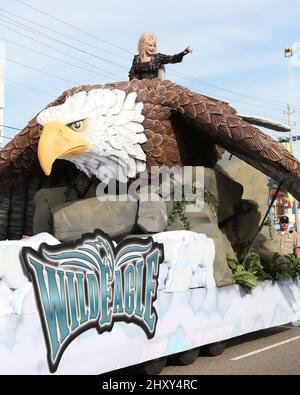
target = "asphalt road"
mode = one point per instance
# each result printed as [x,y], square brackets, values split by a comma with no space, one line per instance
[274,351]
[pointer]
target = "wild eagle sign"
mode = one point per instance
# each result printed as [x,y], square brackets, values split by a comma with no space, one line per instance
[92,284]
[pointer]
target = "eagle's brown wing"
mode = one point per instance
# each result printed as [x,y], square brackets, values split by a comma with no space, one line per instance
[207,122]
[182,127]
[18,156]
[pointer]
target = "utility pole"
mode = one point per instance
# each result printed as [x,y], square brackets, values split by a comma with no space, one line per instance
[291,110]
[2,62]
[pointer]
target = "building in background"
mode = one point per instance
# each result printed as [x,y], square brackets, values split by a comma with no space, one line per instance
[281,204]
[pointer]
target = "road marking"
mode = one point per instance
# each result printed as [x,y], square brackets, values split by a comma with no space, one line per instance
[265,349]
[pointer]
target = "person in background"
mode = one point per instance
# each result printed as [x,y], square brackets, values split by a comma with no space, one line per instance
[148,63]
[288,239]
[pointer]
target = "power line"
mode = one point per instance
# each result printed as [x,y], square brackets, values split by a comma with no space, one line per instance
[30,87]
[60,51]
[52,57]
[229,99]
[252,104]
[61,34]
[273,107]
[262,115]
[73,27]
[193,79]
[75,83]
[178,74]
[41,71]
[9,127]
[236,100]
[6,138]
[269,107]
[39,33]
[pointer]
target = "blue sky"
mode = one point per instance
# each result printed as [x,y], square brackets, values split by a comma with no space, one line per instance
[237,46]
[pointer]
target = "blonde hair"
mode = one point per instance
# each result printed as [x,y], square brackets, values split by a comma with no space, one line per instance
[143,41]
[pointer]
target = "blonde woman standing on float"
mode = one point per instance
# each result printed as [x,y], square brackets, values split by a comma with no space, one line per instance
[149,64]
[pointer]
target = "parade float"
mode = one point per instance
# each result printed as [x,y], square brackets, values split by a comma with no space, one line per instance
[91,280]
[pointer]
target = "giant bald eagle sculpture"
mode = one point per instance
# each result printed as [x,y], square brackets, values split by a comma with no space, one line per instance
[120,129]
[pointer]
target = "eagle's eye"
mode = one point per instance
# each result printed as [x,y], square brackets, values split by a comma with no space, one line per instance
[78,126]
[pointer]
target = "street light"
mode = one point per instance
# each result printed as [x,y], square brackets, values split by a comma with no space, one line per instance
[288,52]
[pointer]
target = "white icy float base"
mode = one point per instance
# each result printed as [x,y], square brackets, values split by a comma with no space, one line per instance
[186,320]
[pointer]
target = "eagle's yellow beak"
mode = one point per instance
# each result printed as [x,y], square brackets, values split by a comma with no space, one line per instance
[58,140]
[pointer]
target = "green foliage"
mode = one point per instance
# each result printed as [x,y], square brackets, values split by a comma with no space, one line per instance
[278,269]
[244,278]
[282,267]
[178,210]
[179,207]
[253,264]
[294,265]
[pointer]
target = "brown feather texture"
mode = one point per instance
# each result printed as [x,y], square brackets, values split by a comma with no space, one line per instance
[182,128]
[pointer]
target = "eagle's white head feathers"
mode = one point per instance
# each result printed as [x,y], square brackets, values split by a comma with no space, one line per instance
[111,127]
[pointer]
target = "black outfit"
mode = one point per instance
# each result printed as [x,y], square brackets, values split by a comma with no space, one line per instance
[140,70]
